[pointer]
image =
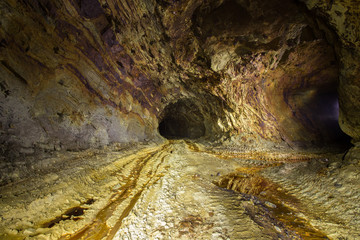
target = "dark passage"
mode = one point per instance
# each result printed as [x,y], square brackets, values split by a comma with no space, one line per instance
[182,119]
[319,112]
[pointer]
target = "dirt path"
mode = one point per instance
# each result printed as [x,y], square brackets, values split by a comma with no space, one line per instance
[176,190]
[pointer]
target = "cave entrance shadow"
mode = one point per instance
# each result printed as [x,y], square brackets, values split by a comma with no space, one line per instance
[182,120]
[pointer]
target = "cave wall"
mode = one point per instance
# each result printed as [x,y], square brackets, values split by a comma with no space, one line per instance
[343,18]
[86,73]
[270,62]
[79,74]
[66,81]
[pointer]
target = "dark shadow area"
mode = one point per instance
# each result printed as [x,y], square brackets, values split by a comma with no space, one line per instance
[229,17]
[320,114]
[182,119]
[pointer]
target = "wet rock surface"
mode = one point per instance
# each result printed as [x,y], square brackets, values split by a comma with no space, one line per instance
[321,185]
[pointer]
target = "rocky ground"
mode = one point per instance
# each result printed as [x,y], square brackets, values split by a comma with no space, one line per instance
[182,190]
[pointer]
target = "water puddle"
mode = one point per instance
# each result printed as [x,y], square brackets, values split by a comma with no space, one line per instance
[282,206]
[72,213]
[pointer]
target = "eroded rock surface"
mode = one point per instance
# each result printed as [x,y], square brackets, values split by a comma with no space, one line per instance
[91,89]
[88,73]
[343,17]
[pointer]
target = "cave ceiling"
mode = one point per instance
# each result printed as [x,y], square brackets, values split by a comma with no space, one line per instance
[86,73]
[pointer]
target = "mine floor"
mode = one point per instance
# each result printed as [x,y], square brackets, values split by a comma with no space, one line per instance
[182,190]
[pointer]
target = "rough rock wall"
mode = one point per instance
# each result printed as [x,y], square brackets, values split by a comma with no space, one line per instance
[343,17]
[65,79]
[85,73]
[270,62]
[78,74]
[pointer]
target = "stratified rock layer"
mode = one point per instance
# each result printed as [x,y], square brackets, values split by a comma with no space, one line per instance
[79,74]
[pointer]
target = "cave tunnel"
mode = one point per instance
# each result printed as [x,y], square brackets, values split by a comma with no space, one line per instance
[323,110]
[168,119]
[317,110]
[182,120]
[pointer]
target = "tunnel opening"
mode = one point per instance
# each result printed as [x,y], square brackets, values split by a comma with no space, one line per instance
[182,120]
[318,111]
[325,109]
